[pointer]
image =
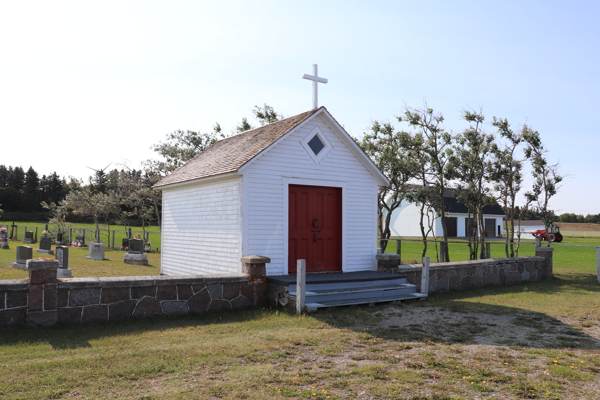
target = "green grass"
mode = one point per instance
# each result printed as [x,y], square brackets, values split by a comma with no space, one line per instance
[335,354]
[81,266]
[566,260]
[154,236]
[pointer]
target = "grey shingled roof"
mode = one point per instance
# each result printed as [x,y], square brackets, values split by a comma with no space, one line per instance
[229,154]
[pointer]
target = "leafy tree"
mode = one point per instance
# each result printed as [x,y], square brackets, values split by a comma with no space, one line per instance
[86,203]
[546,175]
[182,146]
[470,165]
[384,145]
[266,114]
[3,176]
[436,145]
[59,215]
[243,126]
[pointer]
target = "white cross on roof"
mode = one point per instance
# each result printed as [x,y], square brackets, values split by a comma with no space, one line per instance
[315,80]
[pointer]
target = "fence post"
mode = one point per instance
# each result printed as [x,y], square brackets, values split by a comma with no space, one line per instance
[598,264]
[399,249]
[538,242]
[70,236]
[36,233]
[425,276]
[300,285]
[488,250]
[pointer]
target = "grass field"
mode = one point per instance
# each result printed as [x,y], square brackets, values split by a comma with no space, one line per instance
[154,237]
[539,340]
[81,266]
[566,260]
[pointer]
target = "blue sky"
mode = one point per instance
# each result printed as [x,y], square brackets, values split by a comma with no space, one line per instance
[86,84]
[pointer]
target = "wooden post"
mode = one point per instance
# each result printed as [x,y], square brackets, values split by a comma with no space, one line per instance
[425,276]
[36,234]
[300,285]
[598,264]
[488,250]
[114,233]
[538,242]
[70,236]
[399,249]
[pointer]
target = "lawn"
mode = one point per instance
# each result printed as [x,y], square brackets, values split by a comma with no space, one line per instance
[566,260]
[526,341]
[81,266]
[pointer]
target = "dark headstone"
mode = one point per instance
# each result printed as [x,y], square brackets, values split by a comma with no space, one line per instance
[3,239]
[136,246]
[24,253]
[45,243]
[80,239]
[28,238]
[59,237]
[125,243]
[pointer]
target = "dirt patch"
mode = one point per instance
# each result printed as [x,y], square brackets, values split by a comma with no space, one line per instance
[523,330]
[577,227]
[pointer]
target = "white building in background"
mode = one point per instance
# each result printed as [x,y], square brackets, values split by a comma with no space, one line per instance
[405,219]
[528,227]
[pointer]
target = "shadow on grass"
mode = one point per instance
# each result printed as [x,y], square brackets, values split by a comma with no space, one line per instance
[76,336]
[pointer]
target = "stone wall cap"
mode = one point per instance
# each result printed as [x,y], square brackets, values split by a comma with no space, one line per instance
[387,256]
[256,260]
[78,283]
[544,249]
[226,278]
[13,284]
[37,264]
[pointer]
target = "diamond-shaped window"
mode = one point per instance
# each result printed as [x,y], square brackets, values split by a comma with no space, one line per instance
[316,144]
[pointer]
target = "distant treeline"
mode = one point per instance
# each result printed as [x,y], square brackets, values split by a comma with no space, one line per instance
[22,192]
[570,217]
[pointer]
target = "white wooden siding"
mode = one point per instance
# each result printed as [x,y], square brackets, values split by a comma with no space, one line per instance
[202,228]
[266,209]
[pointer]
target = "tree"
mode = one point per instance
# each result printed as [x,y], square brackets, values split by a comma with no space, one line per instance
[16,178]
[470,165]
[85,203]
[266,114]
[3,176]
[507,177]
[435,144]
[243,126]
[59,215]
[181,146]
[546,175]
[384,145]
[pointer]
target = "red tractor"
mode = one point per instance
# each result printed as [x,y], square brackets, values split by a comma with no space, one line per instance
[552,234]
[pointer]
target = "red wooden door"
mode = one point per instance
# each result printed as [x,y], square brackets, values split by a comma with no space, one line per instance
[315,228]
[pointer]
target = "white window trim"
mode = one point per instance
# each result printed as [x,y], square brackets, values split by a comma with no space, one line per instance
[317,158]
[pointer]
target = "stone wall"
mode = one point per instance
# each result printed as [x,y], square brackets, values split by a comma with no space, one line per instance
[478,273]
[44,300]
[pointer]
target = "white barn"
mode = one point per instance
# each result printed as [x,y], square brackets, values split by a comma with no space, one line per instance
[405,219]
[297,188]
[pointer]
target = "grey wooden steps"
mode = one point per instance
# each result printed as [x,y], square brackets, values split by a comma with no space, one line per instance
[369,291]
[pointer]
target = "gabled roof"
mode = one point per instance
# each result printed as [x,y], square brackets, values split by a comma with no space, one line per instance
[230,154]
[453,205]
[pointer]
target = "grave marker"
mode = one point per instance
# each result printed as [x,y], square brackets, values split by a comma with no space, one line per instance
[59,238]
[45,245]
[28,237]
[80,240]
[96,251]
[24,253]
[3,238]
[136,254]
[62,255]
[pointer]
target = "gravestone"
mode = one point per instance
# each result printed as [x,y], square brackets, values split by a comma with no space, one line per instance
[148,247]
[59,239]
[136,254]
[125,244]
[24,253]
[136,246]
[96,251]
[4,239]
[80,240]
[62,255]
[45,245]
[28,237]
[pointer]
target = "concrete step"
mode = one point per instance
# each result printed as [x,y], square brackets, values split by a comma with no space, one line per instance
[350,284]
[311,307]
[342,294]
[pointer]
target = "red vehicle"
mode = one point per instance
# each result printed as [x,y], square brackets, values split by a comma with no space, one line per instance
[552,234]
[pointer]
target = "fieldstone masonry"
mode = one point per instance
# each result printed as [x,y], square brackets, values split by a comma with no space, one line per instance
[478,273]
[46,300]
